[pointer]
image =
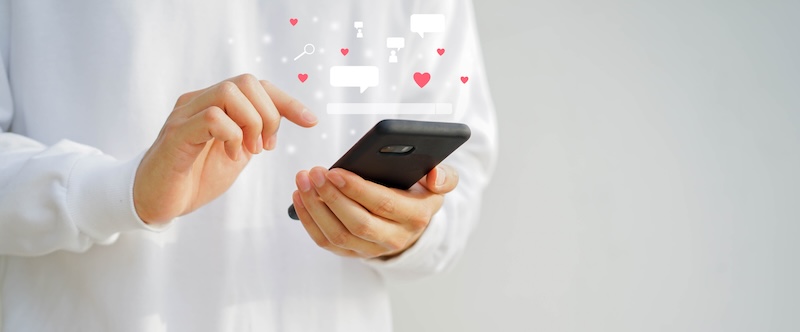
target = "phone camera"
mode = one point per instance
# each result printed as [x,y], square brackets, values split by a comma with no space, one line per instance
[397,149]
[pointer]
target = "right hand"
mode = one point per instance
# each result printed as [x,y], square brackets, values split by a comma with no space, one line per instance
[206,142]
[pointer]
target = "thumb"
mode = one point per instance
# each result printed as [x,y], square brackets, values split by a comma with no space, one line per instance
[441,180]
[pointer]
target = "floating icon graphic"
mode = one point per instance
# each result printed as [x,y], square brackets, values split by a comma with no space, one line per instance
[359,25]
[293,21]
[302,77]
[363,77]
[422,79]
[440,51]
[308,49]
[424,23]
[390,108]
[397,43]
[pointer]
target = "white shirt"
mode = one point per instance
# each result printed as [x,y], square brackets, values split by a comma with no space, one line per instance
[87,85]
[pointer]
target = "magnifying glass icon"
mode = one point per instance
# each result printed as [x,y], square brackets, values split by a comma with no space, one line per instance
[308,49]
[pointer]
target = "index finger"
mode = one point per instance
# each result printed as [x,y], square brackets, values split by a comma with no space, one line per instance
[289,107]
[270,118]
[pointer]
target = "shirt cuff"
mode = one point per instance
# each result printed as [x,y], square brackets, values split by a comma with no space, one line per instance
[421,259]
[100,198]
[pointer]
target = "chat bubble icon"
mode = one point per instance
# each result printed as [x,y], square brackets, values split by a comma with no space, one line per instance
[354,76]
[395,42]
[424,23]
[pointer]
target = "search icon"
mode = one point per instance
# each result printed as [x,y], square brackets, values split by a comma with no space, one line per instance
[308,49]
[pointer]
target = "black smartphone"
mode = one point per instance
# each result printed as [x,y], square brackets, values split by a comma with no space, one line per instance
[397,153]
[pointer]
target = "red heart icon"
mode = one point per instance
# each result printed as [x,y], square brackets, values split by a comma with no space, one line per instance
[422,78]
[345,51]
[440,51]
[464,79]
[293,21]
[302,77]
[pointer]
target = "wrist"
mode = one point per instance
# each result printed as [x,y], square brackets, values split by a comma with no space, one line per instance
[100,196]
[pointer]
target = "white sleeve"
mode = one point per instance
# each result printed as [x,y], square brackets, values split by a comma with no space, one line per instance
[447,234]
[62,197]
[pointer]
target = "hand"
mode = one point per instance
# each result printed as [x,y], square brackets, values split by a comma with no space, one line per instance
[206,142]
[353,217]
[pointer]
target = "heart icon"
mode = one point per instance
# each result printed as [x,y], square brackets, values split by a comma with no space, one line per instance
[422,78]
[293,21]
[440,51]
[464,79]
[302,77]
[345,51]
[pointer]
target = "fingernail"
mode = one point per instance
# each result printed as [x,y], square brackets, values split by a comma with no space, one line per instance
[441,176]
[302,182]
[308,116]
[318,178]
[272,141]
[260,144]
[336,179]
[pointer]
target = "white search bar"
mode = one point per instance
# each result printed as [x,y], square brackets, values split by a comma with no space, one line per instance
[390,108]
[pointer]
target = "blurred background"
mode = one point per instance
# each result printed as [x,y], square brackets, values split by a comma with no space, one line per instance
[648,172]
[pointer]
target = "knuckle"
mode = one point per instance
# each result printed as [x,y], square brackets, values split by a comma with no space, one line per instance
[226,89]
[253,126]
[271,122]
[183,99]
[363,230]
[344,253]
[247,79]
[385,206]
[323,243]
[330,197]
[171,128]
[272,116]
[340,239]
[320,240]
[237,136]
[419,220]
[293,104]
[394,244]
[353,188]
[374,254]
[352,254]
[213,115]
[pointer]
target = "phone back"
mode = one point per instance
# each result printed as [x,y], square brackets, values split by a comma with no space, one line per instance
[432,142]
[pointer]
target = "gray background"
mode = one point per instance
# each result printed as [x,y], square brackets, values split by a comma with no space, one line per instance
[648,173]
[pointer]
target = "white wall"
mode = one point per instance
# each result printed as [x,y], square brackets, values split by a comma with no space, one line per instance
[648,177]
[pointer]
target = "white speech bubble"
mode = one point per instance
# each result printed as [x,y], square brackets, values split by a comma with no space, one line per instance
[396,42]
[354,76]
[424,23]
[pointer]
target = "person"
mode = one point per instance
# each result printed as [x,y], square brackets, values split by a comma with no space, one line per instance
[134,199]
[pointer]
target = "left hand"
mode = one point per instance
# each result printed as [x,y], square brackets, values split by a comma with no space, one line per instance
[353,217]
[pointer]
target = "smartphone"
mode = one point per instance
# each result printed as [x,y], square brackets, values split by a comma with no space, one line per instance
[398,153]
